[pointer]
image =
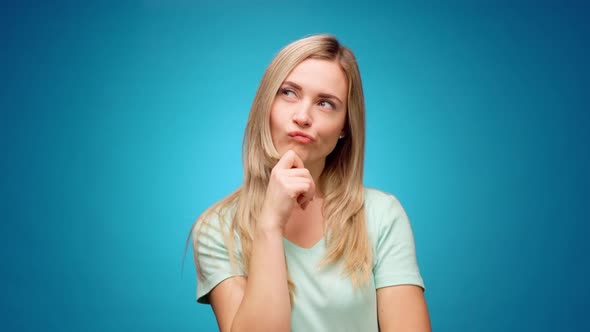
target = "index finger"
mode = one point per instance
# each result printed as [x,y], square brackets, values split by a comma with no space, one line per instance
[290,160]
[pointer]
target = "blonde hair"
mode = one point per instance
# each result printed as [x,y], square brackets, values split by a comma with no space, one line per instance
[341,180]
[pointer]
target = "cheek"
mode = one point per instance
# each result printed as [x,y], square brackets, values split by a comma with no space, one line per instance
[334,129]
[275,125]
[279,115]
[273,120]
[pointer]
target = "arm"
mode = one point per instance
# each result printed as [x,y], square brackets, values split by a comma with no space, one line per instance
[261,302]
[402,308]
[401,305]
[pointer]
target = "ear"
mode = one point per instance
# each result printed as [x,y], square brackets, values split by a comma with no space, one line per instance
[342,134]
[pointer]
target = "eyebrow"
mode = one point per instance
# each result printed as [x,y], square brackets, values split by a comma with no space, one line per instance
[321,95]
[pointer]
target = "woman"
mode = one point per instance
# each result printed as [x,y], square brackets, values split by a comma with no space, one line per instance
[302,245]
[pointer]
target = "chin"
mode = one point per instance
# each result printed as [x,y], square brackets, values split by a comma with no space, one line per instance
[301,151]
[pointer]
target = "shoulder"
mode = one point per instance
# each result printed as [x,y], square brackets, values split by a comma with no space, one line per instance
[222,212]
[215,222]
[378,202]
[216,247]
[372,194]
[383,210]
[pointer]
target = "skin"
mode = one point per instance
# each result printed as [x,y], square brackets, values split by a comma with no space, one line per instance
[311,101]
[303,104]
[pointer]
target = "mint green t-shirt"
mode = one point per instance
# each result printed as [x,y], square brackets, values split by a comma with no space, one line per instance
[325,300]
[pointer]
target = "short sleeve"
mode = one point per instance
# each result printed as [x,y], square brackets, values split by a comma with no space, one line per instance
[395,254]
[211,255]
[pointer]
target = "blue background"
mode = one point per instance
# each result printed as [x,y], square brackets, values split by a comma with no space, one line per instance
[122,121]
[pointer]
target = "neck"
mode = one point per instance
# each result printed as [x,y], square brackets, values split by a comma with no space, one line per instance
[316,169]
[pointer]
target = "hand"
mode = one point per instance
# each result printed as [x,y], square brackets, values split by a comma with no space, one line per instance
[290,184]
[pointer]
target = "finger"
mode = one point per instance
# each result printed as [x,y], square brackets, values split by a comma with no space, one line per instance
[297,162]
[306,180]
[289,160]
[298,173]
[303,191]
[302,201]
[304,205]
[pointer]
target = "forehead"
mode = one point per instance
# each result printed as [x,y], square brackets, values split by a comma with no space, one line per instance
[320,76]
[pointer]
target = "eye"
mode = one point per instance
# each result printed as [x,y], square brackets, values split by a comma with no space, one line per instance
[327,104]
[287,92]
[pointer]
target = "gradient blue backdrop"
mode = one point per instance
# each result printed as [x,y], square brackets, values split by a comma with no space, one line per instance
[122,121]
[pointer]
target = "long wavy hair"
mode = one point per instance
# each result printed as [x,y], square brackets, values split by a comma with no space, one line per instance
[341,180]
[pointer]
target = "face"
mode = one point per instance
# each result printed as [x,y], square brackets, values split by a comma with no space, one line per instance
[309,111]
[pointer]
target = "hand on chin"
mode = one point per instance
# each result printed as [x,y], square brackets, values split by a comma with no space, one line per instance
[301,151]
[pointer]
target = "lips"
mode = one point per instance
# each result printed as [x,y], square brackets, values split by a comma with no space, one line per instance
[301,137]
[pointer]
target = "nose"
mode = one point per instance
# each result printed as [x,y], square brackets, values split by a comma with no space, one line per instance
[302,116]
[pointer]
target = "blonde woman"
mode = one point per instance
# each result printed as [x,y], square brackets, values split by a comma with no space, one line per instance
[302,245]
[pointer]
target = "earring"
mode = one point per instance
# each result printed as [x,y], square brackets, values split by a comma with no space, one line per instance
[341,137]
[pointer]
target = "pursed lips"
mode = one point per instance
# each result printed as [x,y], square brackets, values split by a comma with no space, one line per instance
[301,137]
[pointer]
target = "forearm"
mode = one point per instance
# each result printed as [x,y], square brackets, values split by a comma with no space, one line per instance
[265,305]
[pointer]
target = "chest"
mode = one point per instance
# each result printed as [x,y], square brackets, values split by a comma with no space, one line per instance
[323,297]
[305,228]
